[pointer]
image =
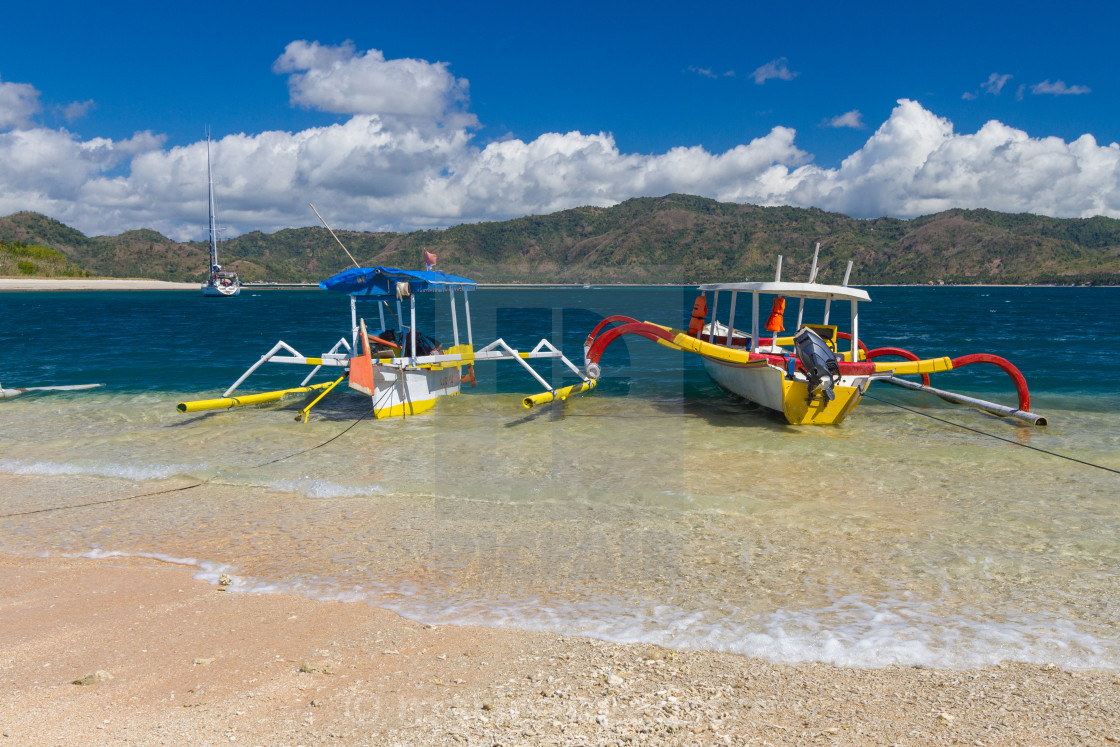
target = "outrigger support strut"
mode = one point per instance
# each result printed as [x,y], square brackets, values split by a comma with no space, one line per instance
[499,349]
[302,414]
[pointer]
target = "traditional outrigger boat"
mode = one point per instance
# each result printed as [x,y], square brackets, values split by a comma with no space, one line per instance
[806,376]
[403,371]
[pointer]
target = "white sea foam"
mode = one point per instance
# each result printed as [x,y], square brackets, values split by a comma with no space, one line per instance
[313,487]
[881,636]
[851,632]
[135,473]
[207,570]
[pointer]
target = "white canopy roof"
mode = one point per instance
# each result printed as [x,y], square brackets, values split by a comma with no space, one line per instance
[795,290]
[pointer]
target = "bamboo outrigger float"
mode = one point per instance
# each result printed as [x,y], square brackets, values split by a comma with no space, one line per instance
[403,371]
[806,376]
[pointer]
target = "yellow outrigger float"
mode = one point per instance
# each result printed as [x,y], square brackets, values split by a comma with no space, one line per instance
[403,371]
[806,376]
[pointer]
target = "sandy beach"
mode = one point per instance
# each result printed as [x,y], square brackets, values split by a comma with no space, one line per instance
[46,284]
[135,651]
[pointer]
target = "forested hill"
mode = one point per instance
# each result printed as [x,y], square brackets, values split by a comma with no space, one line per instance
[671,239]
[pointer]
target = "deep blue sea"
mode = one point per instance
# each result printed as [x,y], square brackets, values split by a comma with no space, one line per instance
[655,509]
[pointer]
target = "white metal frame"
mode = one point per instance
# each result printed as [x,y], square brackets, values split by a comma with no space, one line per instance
[339,355]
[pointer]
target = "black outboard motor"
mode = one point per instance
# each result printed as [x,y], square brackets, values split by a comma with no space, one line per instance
[820,363]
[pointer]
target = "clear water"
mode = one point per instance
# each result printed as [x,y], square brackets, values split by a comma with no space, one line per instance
[656,509]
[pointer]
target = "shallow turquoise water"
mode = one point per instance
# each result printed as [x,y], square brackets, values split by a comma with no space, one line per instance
[656,509]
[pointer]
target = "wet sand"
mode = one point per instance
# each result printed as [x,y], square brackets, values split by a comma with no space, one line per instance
[42,284]
[162,658]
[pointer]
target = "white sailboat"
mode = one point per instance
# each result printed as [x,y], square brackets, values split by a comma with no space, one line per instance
[219,282]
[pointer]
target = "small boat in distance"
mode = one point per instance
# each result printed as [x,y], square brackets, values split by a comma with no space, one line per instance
[806,376]
[219,282]
[5,393]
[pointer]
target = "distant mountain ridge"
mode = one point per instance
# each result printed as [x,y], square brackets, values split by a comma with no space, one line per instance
[671,239]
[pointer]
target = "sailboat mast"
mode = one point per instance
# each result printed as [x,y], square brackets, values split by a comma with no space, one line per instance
[213,223]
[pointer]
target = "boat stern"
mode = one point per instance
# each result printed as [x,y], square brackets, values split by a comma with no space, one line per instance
[802,409]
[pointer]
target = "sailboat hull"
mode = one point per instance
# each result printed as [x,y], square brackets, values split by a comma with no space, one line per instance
[220,290]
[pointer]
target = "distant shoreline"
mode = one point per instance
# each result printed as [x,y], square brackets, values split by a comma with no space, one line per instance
[69,284]
[64,284]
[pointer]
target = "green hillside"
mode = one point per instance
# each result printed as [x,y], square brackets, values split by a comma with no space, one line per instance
[20,259]
[671,239]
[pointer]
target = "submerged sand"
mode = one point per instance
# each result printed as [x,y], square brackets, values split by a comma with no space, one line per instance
[161,658]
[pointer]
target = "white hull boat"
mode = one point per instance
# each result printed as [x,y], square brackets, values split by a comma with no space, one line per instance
[219,282]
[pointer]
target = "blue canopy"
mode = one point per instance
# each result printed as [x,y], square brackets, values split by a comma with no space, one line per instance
[380,282]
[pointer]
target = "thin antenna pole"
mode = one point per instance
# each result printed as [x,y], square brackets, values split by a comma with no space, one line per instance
[348,254]
[213,217]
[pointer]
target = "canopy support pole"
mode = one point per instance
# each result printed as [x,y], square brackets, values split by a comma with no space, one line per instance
[712,326]
[754,322]
[412,321]
[731,319]
[467,313]
[353,323]
[454,318]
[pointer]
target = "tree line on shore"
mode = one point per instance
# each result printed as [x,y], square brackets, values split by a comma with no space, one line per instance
[671,239]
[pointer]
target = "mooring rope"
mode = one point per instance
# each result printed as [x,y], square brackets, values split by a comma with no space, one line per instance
[185,487]
[992,435]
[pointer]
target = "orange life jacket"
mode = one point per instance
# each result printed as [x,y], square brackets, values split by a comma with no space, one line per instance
[774,323]
[699,313]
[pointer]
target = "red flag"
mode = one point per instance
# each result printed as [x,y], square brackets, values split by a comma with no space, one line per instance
[429,260]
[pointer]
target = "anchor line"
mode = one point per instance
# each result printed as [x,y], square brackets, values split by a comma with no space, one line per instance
[185,487]
[102,503]
[304,451]
[992,435]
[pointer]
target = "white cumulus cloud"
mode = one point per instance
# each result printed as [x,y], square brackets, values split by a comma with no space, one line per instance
[405,157]
[18,103]
[915,164]
[341,80]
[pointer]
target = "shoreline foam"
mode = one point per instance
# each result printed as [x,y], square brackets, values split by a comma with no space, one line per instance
[174,660]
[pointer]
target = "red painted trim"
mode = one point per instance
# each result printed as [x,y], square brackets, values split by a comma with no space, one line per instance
[847,336]
[1008,368]
[862,368]
[605,322]
[642,329]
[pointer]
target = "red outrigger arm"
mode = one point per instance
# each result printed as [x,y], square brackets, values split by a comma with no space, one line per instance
[1007,367]
[1003,364]
[596,343]
[672,338]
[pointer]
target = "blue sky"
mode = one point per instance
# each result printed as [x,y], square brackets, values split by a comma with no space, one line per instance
[747,102]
